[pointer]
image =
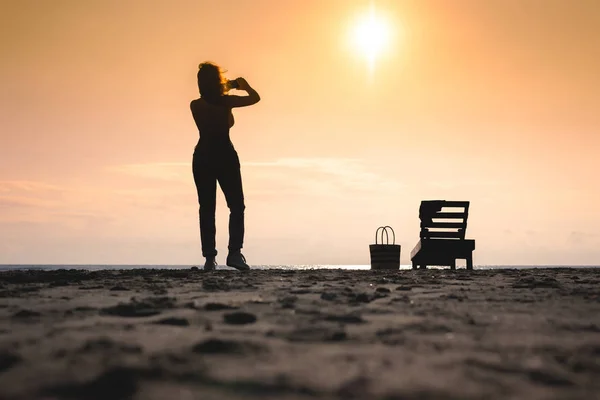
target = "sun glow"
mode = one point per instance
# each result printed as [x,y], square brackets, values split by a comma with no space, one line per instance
[371,36]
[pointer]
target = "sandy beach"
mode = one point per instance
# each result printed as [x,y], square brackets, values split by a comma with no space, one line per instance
[317,334]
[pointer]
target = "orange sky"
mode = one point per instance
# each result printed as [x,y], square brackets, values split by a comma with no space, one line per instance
[491,101]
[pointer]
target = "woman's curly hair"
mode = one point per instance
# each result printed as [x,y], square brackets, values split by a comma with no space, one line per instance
[211,81]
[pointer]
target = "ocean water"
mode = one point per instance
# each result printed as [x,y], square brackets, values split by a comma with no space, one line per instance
[97,267]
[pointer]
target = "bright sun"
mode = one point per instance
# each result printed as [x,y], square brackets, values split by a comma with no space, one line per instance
[371,36]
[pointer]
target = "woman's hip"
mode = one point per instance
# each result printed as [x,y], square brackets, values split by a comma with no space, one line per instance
[215,160]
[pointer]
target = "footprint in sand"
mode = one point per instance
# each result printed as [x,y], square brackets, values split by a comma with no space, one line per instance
[173,321]
[26,314]
[227,346]
[218,307]
[8,359]
[140,308]
[114,383]
[239,318]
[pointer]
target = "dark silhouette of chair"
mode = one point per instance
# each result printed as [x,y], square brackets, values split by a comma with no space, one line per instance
[442,237]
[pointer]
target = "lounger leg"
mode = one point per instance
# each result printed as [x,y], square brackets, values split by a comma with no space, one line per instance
[414,265]
[453,264]
[423,266]
[470,262]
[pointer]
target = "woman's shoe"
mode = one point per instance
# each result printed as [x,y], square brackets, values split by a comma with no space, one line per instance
[237,261]
[210,264]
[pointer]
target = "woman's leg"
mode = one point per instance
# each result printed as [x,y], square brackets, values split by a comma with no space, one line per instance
[230,180]
[206,186]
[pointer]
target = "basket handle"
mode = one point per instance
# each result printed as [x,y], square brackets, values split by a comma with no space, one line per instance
[387,238]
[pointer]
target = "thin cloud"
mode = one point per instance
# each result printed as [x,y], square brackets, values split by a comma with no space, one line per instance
[23,201]
[285,175]
[166,171]
[29,194]
[8,186]
[579,238]
[458,183]
[323,175]
[40,202]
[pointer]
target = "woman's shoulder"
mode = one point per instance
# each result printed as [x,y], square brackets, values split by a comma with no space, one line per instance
[198,104]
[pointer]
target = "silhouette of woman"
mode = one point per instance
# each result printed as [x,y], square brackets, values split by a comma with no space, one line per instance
[215,159]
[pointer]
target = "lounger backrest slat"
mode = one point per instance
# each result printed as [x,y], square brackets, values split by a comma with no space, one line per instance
[443,219]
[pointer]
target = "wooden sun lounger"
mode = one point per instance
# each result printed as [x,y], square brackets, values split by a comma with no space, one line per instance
[442,237]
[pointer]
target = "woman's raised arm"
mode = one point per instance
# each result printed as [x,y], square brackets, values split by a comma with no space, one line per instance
[243,101]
